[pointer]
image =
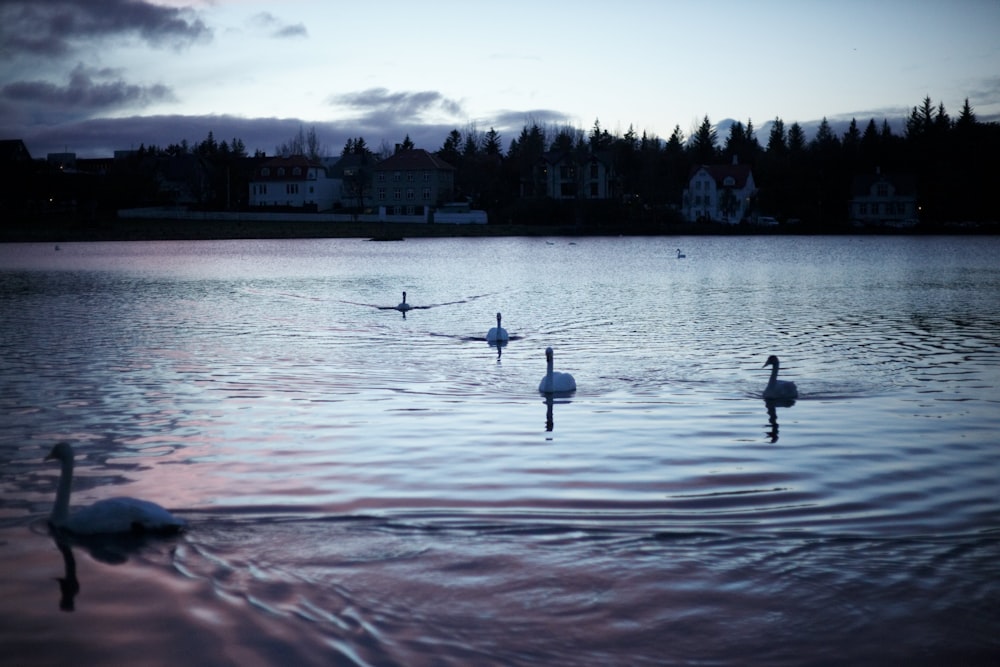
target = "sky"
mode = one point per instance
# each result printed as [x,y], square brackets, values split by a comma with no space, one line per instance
[95,76]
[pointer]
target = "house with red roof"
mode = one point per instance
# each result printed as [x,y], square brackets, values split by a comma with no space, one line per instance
[719,192]
[413,182]
[294,181]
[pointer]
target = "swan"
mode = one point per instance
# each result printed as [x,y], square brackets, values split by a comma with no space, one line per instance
[403,306]
[555,382]
[778,389]
[112,515]
[497,334]
[680,255]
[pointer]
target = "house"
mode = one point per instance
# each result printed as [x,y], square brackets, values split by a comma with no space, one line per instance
[721,192]
[412,182]
[563,175]
[883,200]
[294,182]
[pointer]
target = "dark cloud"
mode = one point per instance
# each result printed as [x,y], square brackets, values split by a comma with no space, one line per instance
[55,27]
[88,89]
[277,28]
[376,103]
[516,120]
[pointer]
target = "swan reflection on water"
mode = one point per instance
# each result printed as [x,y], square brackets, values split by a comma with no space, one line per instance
[112,549]
[69,586]
[772,415]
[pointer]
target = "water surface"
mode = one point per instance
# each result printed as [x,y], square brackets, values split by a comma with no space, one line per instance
[369,489]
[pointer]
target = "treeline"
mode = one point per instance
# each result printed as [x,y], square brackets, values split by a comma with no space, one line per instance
[952,160]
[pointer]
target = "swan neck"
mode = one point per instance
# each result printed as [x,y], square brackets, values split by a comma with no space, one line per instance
[774,374]
[60,510]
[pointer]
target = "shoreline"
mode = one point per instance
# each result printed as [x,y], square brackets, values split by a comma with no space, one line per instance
[68,229]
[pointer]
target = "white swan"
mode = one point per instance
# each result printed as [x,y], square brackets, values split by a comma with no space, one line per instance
[403,306]
[778,389]
[113,515]
[497,334]
[680,255]
[555,382]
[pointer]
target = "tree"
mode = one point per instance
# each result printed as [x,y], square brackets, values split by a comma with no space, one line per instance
[796,139]
[491,144]
[703,150]
[449,151]
[777,142]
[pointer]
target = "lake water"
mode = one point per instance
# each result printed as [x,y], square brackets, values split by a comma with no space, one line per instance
[365,488]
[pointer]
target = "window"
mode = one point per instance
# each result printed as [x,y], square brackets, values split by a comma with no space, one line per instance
[729,182]
[381,177]
[410,194]
[594,193]
[380,194]
[396,176]
[883,190]
[266,171]
[593,170]
[410,176]
[427,194]
[281,171]
[397,194]
[292,189]
[427,177]
[296,171]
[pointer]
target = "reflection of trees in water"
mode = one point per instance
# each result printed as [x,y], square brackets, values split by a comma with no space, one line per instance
[772,415]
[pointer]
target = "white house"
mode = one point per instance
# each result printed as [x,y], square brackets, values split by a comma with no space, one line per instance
[722,193]
[294,182]
[884,199]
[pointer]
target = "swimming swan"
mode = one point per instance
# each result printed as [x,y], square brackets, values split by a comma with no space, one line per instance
[497,334]
[554,382]
[112,515]
[403,306]
[778,389]
[680,255]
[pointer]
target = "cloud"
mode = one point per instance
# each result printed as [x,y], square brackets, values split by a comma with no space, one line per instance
[54,27]
[277,28]
[88,89]
[380,103]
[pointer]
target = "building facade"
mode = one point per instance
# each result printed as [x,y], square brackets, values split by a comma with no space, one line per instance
[719,193]
[294,182]
[412,182]
[884,200]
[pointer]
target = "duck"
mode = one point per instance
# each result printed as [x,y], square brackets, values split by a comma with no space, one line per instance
[497,334]
[403,306]
[554,381]
[109,516]
[778,389]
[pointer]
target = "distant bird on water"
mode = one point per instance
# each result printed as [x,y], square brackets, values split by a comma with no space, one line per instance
[778,389]
[680,255]
[403,306]
[554,381]
[497,334]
